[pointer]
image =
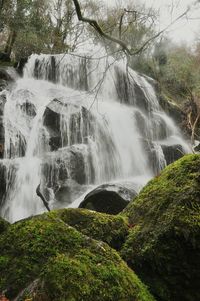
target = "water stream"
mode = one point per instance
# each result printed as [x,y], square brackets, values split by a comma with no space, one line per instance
[72,123]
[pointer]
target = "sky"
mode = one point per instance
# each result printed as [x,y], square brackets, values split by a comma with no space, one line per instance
[185,30]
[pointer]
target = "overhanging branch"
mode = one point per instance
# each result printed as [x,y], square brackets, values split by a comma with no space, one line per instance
[97,27]
[122,44]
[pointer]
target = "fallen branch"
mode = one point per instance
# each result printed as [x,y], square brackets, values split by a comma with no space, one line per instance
[45,202]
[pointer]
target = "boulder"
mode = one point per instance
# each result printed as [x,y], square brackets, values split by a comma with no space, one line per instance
[51,74]
[5,79]
[20,65]
[112,229]
[4,57]
[3,225]
[172,152]
[43,258]
[66,163]
[197,147]
[67,124]
[163,246]
[109,198]
[129,91]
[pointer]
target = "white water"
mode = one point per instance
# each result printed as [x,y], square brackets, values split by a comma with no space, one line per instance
[103,125]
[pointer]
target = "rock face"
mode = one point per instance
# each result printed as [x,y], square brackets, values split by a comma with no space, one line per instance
[172,110]
[2,181]
[44,259]
[163,246]
[197,147]
[20,65]
[109,198]
[4,57]
[172,152]
[64,172]
[5,80]
[78,126]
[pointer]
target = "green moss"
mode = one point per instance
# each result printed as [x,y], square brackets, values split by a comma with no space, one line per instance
[87,274]
[163,246]
[45,259]
[3,225]
[108,228]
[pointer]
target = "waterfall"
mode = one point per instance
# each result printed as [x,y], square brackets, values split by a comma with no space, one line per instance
[72,123]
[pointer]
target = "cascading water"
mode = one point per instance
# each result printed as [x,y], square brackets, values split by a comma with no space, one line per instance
[72,123]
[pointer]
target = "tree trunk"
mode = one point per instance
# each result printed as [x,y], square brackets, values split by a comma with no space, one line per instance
[194,126]
[1,5]
[10,42]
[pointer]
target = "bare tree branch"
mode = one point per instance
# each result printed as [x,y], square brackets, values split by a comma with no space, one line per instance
[97,27]
[122,44]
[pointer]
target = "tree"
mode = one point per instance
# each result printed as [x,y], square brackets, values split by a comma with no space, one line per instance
[179,79]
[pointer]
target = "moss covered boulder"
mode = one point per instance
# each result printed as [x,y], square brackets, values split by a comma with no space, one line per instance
[163,246]
[43,259]
[3,225]
[112,229]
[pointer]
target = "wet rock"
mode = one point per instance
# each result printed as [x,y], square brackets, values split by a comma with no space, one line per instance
[2,182]
[64,164]
[28,108]
[172,109]
[197,147]
[141,123]
[66,173]
[5,79]
[172,152]
[67,129]
[109,198]
[4,75]
[73,75]
[2,130]
[4,57]
[20,65]
[156,130]
[52,123]
[128,91]
[155,156]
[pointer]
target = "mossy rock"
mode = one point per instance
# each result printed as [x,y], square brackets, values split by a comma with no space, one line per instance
[42,258]
[100,226]
[3,225]
[163,246]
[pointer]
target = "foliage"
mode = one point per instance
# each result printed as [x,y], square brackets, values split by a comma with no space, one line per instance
[129,22]
[163,246]
[38,26]
[29,26]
